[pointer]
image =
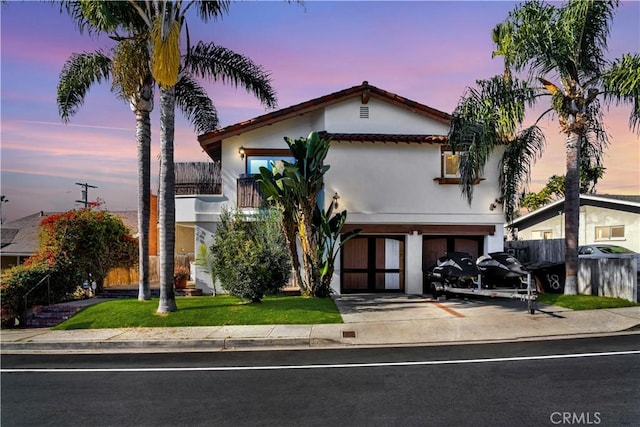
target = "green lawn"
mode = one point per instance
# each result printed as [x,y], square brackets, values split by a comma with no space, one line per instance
[584,302]
[206,311]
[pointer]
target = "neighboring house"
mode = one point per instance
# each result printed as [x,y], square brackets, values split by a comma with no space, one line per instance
[20,237]
[604,218]
[390,168]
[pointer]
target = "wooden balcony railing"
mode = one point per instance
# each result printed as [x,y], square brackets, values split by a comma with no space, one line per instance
[193,178]
[249,193]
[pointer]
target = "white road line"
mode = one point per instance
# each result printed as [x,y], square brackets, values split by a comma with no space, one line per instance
[333,366]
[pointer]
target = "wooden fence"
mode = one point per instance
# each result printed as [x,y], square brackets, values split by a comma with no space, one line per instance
[611,277]
[129,276]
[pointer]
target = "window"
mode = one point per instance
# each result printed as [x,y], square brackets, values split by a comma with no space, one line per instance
[265,157]
[610,232]
[449,166]
[254,163]
[541,234]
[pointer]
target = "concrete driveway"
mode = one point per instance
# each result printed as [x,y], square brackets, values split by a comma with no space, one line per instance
[359,308]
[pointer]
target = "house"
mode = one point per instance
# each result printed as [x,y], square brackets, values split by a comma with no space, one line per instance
[611,219]
[390,168]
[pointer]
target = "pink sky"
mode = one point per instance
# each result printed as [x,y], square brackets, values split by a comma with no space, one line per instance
[426,51]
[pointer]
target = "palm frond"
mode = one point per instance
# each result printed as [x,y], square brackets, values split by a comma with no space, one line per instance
[622,84]
[487,116]
[79,72]
[515,167]
[193,101]
[588,23]
[216,63]
[212,9]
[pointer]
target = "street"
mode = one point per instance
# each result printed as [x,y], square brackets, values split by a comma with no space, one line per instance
[588,381]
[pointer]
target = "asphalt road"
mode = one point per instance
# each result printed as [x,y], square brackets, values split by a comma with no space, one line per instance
[589,381]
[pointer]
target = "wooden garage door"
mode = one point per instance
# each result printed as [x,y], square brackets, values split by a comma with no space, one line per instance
[372,264]
[433,247]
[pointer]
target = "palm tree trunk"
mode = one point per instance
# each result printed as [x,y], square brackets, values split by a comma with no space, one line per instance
[143,109]
[167,214]
[572,213]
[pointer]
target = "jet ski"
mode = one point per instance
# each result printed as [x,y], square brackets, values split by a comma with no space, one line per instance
[455,269]
[501,269]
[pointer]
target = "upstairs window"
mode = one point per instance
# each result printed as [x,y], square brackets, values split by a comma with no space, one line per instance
[450,164]
[262,157]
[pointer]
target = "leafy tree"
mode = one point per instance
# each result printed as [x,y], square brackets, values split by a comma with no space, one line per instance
[250,255]
[294,188]
[73,247]
[92,242]
[547,43]
[555,188]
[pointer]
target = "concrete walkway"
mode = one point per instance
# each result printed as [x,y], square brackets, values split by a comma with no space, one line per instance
[369,320]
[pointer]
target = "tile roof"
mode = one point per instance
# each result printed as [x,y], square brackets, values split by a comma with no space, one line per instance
[211,141]
[383,137]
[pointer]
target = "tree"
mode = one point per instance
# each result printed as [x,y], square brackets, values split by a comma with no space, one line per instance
[131,80]
[565,44]
[295,188]
[164,22]
[555,188]
[208,60]
[250,254]
[92,242]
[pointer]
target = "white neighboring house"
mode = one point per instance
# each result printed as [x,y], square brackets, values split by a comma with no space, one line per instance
[610,219]
[390,168]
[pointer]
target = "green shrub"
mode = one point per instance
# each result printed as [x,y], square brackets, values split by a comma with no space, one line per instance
[250,254]
[59,286]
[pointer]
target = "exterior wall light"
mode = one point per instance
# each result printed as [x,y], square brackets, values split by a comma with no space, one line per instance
[241,152]
[335,200]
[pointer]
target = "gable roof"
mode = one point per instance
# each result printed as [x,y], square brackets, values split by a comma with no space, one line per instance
[211,141]
[625,203]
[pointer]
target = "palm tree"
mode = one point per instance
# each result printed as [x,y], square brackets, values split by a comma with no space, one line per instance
[565,44]
[162,22]
[132,81]
[165,21]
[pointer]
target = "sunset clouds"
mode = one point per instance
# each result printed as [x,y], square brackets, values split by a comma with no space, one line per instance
[425,51]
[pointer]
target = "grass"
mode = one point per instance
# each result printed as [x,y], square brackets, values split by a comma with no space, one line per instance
[584,302]
[206,311]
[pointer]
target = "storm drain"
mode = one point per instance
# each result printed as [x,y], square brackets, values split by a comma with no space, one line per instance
[348,334]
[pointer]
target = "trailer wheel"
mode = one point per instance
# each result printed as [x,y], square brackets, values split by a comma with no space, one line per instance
[434,291]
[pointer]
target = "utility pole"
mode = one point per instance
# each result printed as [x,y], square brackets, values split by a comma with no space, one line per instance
[85,193]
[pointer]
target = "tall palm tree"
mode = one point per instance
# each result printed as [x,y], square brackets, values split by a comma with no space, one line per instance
[547,43]
[132,81]
[165,21]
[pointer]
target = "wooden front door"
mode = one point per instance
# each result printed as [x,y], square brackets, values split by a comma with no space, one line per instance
[372,264]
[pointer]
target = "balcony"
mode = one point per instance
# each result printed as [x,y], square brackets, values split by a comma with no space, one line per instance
[198,178]
[249,195]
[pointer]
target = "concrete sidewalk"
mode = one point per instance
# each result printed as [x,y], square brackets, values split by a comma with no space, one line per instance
[369,320]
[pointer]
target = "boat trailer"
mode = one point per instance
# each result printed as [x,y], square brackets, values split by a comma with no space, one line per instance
[525,293]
